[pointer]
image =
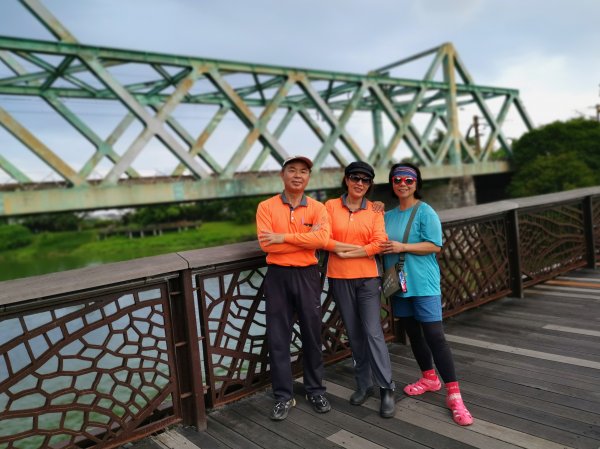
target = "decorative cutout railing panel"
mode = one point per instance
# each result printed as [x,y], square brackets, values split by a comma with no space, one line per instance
[551,241]
[232,316]
[596,227]
[104,355]
[92,373]
[474,264]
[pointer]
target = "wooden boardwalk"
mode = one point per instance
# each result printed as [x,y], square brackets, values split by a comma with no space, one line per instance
[529,371]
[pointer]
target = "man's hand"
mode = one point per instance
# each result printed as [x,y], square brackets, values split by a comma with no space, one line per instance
[269,238]
[378,206]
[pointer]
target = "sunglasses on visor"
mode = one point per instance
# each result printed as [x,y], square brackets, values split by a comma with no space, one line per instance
[357,179]
[409,181]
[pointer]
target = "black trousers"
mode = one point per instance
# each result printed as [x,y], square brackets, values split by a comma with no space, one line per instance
[289,291]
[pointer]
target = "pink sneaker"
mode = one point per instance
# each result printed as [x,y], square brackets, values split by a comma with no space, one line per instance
[460,414]
[422,386]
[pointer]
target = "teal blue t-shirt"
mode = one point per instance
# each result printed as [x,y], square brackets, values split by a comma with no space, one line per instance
[422,271]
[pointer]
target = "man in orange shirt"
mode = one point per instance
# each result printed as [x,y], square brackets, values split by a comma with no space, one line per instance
[291,227]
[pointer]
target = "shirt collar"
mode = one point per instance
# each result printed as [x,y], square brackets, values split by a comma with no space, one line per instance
[363,204]
[303,201]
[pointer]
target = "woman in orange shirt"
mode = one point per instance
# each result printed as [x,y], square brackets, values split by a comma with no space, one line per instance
[357,232]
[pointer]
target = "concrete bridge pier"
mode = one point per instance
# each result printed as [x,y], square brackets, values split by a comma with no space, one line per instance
[460,192]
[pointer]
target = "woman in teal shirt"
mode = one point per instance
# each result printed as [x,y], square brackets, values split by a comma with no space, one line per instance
[420,307]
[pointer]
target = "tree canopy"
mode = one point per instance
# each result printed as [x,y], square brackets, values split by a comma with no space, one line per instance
[557,157]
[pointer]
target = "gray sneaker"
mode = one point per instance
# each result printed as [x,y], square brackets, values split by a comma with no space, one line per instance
[281,409]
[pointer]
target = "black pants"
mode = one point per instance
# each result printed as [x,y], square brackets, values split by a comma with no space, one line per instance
[290,290]
[429,346]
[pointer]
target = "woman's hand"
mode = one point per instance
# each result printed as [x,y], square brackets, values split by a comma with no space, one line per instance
[420,249]
[392,246]
[344,247]
[343,254]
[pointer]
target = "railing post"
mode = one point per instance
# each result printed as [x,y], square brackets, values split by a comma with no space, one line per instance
[588,230]
[514,253]
[187,355]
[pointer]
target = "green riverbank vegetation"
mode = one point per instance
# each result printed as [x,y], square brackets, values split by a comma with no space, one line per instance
[49,243]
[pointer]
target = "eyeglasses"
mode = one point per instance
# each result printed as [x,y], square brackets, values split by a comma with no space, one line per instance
[356,179]
[406,179]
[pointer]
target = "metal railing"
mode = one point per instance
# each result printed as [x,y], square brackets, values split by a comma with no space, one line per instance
[100,356]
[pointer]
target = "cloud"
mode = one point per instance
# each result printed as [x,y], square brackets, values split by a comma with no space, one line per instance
[547,85]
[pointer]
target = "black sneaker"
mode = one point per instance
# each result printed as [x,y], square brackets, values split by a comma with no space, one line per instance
[319,403]
[281,409]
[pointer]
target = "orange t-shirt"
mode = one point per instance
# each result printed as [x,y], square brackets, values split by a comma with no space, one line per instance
[306,229]
[361,227]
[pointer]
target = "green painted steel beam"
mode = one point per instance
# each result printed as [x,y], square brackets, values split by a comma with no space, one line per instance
[255,94]
[132,193]
[21,133]
[130,56]
[13,171]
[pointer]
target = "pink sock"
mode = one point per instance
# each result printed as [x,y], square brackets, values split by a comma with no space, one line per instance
[453,392]
[429,374]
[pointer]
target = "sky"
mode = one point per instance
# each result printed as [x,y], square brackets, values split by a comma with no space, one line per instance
[547,49]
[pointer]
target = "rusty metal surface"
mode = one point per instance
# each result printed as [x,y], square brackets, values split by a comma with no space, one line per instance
[94,372]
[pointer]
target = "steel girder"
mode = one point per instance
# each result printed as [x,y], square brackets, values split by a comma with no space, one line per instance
[264,99]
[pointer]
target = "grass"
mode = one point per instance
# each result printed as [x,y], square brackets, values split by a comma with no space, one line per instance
[209,234]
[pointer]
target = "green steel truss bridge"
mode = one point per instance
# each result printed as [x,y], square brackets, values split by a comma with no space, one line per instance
[400,118]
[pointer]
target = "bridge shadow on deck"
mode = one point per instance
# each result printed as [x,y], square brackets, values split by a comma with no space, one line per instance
[529,371]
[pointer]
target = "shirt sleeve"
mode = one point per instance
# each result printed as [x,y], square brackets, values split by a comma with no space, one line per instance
[264,223]
[330,211]
[431,228]
[314,239]
[379,236]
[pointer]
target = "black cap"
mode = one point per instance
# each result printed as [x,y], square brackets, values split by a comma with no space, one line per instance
[360,167]
[304,159]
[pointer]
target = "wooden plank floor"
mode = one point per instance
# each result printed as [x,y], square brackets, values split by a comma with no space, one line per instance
[529,371]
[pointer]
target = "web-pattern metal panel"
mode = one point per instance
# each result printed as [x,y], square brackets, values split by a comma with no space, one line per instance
[551,241]
[596,226]
[474,264]
[231,305]
[98,372]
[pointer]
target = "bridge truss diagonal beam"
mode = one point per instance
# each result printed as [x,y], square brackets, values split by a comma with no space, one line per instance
[219,123]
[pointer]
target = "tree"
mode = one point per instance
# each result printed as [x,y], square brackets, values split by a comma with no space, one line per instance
[14,236]
[557,157]
[62,221]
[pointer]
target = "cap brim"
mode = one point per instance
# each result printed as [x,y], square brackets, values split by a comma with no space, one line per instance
[364,172]
[306,160]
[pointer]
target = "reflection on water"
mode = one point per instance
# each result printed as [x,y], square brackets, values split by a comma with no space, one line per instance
[13,269]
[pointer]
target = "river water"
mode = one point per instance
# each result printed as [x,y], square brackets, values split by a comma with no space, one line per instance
[13,269]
